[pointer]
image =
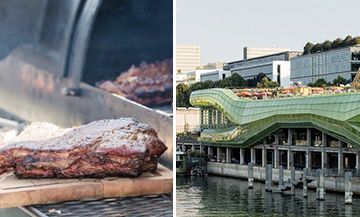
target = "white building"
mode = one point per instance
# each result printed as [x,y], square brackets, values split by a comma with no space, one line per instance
[180,78]
[275,66]
[187,119]
[195,76]
[187,58]
[213,65]
[252,52]
[215,75]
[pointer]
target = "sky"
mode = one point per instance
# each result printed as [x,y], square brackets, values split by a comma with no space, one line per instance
[223,27]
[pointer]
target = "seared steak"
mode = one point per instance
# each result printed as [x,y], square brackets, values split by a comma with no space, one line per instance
[116,147]
[148,84]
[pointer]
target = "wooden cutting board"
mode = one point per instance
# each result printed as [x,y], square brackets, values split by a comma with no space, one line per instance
[22,192]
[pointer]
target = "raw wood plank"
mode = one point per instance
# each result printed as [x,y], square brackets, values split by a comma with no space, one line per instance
[11,182]
[23,192]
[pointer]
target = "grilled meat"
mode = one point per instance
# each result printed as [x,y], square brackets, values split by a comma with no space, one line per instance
[148,84]
[116,147]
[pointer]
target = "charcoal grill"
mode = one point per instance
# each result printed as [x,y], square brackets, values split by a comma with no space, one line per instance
[52,53]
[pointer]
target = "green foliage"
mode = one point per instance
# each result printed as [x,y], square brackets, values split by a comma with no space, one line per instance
[337,43]
[355,41]
[339,80]
[310,84]
[321,82]
[252,82]
[182,95]
[183,91]
[197,154]
[317,48]
[326,45]
[308,48]
[329,45]
[347,41]
[266,83]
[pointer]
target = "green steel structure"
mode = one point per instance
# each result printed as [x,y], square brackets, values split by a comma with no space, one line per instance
[249,121]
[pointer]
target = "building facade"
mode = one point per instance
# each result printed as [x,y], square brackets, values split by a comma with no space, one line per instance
[275,66]
[215,75]
[318,132]
[187,58]
[214,65]
[252,52]
[195,76]
[329,65]
[187,119]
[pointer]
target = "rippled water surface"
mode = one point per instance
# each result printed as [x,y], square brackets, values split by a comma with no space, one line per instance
[222,196]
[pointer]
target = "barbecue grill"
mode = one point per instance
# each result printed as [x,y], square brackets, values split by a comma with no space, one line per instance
[52,53]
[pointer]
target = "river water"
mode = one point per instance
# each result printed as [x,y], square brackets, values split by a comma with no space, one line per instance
[223,196]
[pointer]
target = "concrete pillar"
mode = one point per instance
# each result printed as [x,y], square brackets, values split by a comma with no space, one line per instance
[308,159]
[323,159]
[201,148]
[252,153]
[183,147]
[209,151]
[218,155]
[357,162]
[277,139]
[242,156]
[305,186]
[268,180]
[340,162]
[308,136]
[324,139]
[320,183]
[276,157]
[348,188]
[228,155]
[250,175]
[290,158]
[264,160]
[281,176]
[289,136]
[292,176]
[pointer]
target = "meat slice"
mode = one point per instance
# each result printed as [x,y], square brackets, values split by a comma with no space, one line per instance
[115,147]
[148,84]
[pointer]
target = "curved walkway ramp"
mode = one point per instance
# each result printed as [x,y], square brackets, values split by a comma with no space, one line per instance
[338,115]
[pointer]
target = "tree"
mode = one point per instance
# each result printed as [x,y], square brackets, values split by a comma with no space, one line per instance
[252,82]
[182,95]
[238,81]
[321,82]
[347,41]
[308,48]
[339,80]
[266,83]
[336,43]
[317,48]
[326,45]
[310,84]
[356,41]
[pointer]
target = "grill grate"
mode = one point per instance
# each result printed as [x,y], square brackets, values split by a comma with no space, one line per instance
[152,205]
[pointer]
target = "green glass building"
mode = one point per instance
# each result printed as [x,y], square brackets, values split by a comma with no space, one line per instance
[306,132]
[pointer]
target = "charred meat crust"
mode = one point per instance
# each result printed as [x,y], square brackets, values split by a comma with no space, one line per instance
[116,147]
[148,84]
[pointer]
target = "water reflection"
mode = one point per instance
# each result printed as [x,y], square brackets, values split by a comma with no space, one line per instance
[221,196]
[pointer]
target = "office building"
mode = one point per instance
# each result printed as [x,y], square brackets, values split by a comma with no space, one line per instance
[252,52]
[275,66]
[329,65]
[187,58]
